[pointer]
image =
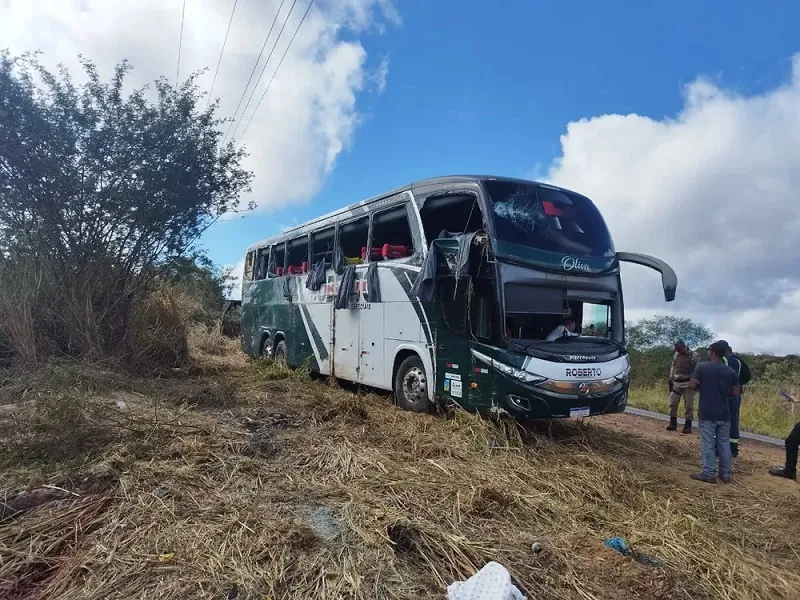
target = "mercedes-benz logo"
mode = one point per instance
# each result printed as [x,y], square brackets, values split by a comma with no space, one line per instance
[583,388]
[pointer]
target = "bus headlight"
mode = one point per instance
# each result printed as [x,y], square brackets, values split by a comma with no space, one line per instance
[625,375]
[519,374]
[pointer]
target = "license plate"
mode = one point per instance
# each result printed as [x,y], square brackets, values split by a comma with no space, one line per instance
[577,413]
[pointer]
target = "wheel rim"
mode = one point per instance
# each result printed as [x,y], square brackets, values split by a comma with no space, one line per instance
[415,387]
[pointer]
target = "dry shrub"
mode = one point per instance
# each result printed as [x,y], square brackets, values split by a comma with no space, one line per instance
[159,332]
[21,288]
[211,340]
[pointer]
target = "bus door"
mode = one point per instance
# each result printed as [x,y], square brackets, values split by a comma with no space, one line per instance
[346,337]
[352,238]
[459,377]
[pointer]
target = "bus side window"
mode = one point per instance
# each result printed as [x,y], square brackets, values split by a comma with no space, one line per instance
[322,246]
[458,213]
[260,266]
[297,259]
[353,240]
[391,234]
[248,266]
[279,252]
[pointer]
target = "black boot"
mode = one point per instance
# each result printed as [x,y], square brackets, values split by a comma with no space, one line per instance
[734,450]
[782,472]
[673,424]
[687,426]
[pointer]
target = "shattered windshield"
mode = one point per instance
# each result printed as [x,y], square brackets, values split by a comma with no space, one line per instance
[547,219]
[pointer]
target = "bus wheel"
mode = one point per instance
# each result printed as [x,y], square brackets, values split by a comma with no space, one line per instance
[411,386]
[280,353]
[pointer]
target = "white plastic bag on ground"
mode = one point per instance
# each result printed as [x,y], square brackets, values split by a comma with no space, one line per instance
[492,582]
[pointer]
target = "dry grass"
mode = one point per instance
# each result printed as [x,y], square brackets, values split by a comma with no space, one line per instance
[278,487]
[763,410]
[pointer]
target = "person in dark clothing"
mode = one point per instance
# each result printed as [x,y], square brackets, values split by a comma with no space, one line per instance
[743,373]
[716,382]
[789,470]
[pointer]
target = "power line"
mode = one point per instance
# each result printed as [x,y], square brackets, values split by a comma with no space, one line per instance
[219,62]
[180,43]
[255,66]
[305,14]
[263,69]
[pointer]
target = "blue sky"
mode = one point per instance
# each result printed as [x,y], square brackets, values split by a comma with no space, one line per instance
[681,120]
[471,90]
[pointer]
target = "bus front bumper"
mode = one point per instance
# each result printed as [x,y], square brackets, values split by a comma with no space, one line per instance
[525,401]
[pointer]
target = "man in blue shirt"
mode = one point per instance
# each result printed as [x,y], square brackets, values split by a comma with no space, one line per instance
[716,382]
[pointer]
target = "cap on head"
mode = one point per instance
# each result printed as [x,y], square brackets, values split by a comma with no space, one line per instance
[725,345]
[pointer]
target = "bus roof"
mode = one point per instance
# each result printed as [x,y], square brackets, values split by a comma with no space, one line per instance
[348,210]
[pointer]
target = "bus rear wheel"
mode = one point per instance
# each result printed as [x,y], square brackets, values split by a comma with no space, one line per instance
[411,386]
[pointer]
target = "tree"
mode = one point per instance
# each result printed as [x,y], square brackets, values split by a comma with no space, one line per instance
[665,330]
[199,279]
[100,190]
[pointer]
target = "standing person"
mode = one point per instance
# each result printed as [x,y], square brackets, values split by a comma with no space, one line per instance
[716,382]
[683,364]
[743,373]
[789,470]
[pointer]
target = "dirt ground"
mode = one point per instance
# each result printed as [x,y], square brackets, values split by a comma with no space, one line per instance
[750,469]
[238,480]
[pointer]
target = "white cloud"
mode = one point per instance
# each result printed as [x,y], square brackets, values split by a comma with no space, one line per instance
[714,191]
[378,77]
[308,117]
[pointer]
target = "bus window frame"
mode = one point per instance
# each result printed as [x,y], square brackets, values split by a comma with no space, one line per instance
[410,216]
[285,257]
[431,194]
[312,243]
[250,259]
[355,219]
[307,236]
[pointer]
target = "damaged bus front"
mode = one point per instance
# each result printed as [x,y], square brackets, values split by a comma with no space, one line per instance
[528,311]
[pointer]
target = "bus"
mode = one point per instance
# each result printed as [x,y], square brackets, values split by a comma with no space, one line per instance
[501,295]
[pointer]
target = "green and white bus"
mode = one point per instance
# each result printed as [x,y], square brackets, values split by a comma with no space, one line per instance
[499,294]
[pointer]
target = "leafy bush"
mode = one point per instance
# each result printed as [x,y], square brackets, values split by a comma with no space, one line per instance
[103,193]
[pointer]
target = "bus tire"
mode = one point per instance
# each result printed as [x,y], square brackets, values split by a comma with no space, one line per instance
[280,352]
[411,386]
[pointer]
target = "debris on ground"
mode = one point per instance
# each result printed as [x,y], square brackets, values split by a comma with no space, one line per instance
[492,582]
[621,546]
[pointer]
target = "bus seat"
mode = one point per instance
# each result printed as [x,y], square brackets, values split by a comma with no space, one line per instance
[353,261]
[295,270]
[389,251]
[375,254]
[279,271]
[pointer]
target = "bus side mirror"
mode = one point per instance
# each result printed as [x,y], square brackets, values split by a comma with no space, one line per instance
[669,281]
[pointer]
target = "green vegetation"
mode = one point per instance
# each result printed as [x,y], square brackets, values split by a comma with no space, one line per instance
[103,194]
[763,410]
